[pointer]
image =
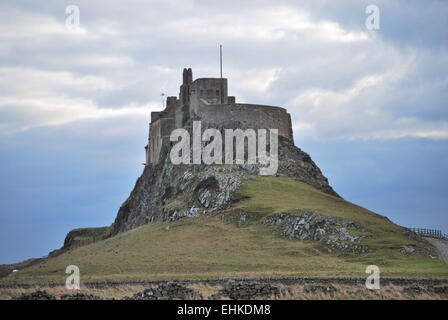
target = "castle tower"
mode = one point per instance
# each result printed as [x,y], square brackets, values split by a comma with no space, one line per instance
[187,79]
[207,99]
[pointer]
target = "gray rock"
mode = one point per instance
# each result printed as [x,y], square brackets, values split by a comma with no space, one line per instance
[309,225]
[407,249]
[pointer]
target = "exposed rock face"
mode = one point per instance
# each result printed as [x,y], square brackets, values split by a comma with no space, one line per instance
[80,237]
[167,192]
[293,162]
[308,225]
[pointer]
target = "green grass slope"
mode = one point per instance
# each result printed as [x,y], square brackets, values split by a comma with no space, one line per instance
[208,247]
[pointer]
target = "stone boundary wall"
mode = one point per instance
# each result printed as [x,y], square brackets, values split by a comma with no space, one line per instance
[250,116]
[222,281]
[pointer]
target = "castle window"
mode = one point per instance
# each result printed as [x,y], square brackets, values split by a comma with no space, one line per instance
[217,93]
[209,92]
[201,93]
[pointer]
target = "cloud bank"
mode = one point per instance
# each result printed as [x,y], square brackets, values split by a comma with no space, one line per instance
[74,105]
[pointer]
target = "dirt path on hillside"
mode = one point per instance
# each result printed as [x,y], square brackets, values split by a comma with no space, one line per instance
[441,246]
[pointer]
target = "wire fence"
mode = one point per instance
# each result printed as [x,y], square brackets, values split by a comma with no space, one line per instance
[431,233]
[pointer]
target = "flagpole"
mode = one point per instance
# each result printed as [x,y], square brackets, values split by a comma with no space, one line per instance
[220,59]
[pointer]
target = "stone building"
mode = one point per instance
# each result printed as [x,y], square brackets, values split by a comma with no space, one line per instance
[207,99]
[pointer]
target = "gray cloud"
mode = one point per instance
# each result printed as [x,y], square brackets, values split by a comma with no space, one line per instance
[283,53]
[74,107]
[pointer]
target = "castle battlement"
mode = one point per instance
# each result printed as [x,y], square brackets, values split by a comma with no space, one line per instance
[207,99]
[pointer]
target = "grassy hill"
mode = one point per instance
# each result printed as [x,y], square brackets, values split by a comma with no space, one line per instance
[211,246]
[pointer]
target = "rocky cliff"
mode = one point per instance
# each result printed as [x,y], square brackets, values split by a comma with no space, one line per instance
[167,192]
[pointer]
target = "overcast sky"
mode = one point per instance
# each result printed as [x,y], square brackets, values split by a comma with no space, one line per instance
[370,106]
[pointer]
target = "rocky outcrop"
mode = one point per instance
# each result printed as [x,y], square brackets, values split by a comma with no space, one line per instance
[81,237]
[328,230]
[407,249]
[167,192]
[294,162]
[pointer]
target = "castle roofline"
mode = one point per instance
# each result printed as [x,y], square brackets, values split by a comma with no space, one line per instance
[260,105]
[202,79]
[250,105]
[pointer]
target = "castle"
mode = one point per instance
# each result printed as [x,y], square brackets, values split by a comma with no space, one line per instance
[206,99]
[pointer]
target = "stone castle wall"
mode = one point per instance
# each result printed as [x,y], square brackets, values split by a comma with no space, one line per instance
[207,99]
[229,115]
[159,135]
[249,116]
